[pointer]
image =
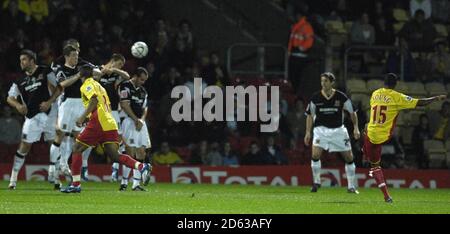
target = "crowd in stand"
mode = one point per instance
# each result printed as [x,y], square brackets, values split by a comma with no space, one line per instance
[106,27]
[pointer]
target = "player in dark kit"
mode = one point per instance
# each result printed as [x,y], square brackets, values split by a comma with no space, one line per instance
[32,95]
[325,110]
[133,100]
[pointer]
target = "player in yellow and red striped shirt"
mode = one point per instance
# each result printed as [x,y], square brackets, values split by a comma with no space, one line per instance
[100,129]
[385,104]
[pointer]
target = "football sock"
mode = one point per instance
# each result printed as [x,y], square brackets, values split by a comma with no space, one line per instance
[350,172]
[77,159]
[377,173]
[125,174]
[316,167]
[19,159]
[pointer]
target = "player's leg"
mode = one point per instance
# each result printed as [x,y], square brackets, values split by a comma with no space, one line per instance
[115,166]
[75,186]
[55,156]
[126,170]
[111,149]
[19,159]
[373,154]
[316,167]
[66,151]
[31,132]
[350,169]
[140,157]
[84,168]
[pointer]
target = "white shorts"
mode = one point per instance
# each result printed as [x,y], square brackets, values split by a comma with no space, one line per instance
[69,111]
[50,130]
[134,138]
[33,128]
[332,139]
[116,117]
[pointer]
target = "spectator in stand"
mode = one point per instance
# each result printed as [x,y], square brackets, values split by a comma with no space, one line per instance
[424,5]
[10,127]
[300,42]
[254,156]
[273,153]
[166,156]
[213,157]
[439,122]
[440,63]
[394,61]
[384,32]
[199,153]
[214,72]
[420,134]
[419,33]
[362,32]
[185,34]
[228,156]
[296,120]
[295,153]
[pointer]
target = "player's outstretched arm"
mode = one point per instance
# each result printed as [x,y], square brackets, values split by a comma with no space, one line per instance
[426,101]
[68,82]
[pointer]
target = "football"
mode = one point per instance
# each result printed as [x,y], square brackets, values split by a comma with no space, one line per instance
[139,49]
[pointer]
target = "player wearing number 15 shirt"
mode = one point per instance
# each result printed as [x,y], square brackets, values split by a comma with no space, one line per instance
[385,104]
[100,129]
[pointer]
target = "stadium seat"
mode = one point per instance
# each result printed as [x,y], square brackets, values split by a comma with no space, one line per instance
[435,88]
[374,84]
[416,89]
[402,87]
[400,14]
[335,26]
[402,119]
[434,106]
[356,86]
[348,25]
[436,153]
[364,99]
[406,134]
[441,30]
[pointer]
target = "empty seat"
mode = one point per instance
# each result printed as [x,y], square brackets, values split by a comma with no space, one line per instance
[374,84]
[416,88]
[441,30]
[402,87]
[435,88]
[434,106]
[356,86]
[436,153]
[335,26]
[400,14]
[364,99]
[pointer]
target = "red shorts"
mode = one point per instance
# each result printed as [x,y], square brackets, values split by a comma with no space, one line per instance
[93,134]
[371,151]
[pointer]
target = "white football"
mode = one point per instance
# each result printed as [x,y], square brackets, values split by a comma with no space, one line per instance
[139,49]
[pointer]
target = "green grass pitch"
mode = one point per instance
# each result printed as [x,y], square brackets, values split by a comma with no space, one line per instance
[161,198]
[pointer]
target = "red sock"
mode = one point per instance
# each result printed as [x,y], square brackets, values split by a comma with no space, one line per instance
[129,162]
[77,160]
[379,178]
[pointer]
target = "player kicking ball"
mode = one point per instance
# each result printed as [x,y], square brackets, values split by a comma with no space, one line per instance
[100,129]
[385,104]
[325,110]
